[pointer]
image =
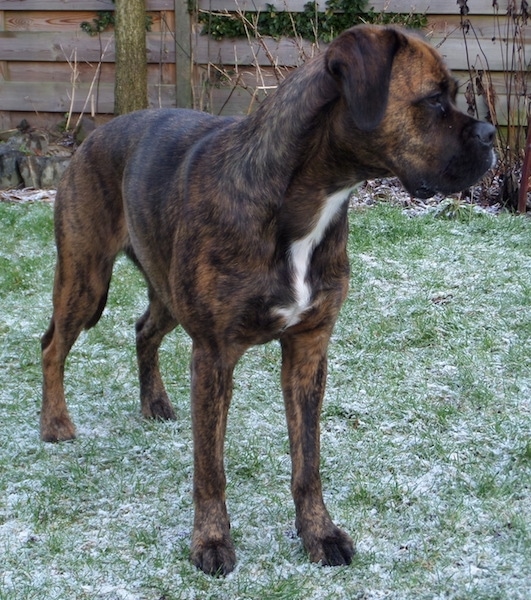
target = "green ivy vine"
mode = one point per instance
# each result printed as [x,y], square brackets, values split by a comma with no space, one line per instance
[310,24]
[105,20]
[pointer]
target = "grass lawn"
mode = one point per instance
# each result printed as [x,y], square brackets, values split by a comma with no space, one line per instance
[426,432]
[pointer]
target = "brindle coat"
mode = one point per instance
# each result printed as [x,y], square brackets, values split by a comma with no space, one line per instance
[240,227]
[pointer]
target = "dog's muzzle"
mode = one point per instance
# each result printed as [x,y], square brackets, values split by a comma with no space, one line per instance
[486,134]
[461,169]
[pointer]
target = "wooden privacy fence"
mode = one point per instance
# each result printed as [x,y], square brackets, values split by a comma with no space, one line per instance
[487,45]
[49,66]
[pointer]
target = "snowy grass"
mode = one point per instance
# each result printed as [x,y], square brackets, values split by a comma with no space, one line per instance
[426,451]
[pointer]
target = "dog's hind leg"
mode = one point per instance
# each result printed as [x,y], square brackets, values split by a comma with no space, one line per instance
[80,294]
[304,366]
[150,330]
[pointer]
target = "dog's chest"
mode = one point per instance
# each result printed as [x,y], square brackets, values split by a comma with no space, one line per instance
[300,257]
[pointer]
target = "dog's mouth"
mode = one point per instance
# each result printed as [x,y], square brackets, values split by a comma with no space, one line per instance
[455,177]
[421,188]
[423,192]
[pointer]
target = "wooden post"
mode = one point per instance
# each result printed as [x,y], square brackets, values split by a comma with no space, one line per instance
[183,55]
[4,116]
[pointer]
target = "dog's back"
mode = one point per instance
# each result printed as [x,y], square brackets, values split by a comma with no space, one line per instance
[136,157]
[150,144]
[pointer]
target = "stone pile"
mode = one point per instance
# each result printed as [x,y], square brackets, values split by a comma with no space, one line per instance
[32,158]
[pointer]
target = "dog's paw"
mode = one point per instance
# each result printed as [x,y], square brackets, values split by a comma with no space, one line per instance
[57,430]
[334,549]
[214,558]
[160,409]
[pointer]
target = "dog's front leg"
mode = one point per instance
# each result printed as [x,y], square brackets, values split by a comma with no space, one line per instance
[212,548]
[304,367]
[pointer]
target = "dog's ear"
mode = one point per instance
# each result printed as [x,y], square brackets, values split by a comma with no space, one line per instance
[360,60]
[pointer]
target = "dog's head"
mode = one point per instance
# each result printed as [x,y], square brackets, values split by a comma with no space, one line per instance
[398,98]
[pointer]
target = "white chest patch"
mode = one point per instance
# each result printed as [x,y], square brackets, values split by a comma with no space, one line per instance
[300,255]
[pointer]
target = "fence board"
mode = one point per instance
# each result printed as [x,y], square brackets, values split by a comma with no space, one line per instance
[80,5]
[62,72]
[287,51]
[251,78]
[228,101]
[55,97]
[484,53]
[440,7]
[484,27]
[36,46]
[43,21]
[392,6]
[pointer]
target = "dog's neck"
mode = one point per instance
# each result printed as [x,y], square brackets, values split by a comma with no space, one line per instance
[293,117]
[290,152]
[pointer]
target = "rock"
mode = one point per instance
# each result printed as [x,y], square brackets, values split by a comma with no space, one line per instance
[53,171]
[7,134]
[42,172]
[10,176]
[28,159]
[38,142]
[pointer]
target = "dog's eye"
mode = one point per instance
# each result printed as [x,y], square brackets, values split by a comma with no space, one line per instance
[436,101]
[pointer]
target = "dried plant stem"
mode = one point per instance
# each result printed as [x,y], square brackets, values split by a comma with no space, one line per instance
[94,79]
[74,75]
[74,68]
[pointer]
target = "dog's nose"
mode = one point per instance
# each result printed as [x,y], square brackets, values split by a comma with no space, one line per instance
[485,132]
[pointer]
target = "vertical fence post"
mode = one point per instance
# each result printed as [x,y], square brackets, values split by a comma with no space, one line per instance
[183,55]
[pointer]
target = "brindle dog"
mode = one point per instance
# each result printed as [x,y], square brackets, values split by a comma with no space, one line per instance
[240,228]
